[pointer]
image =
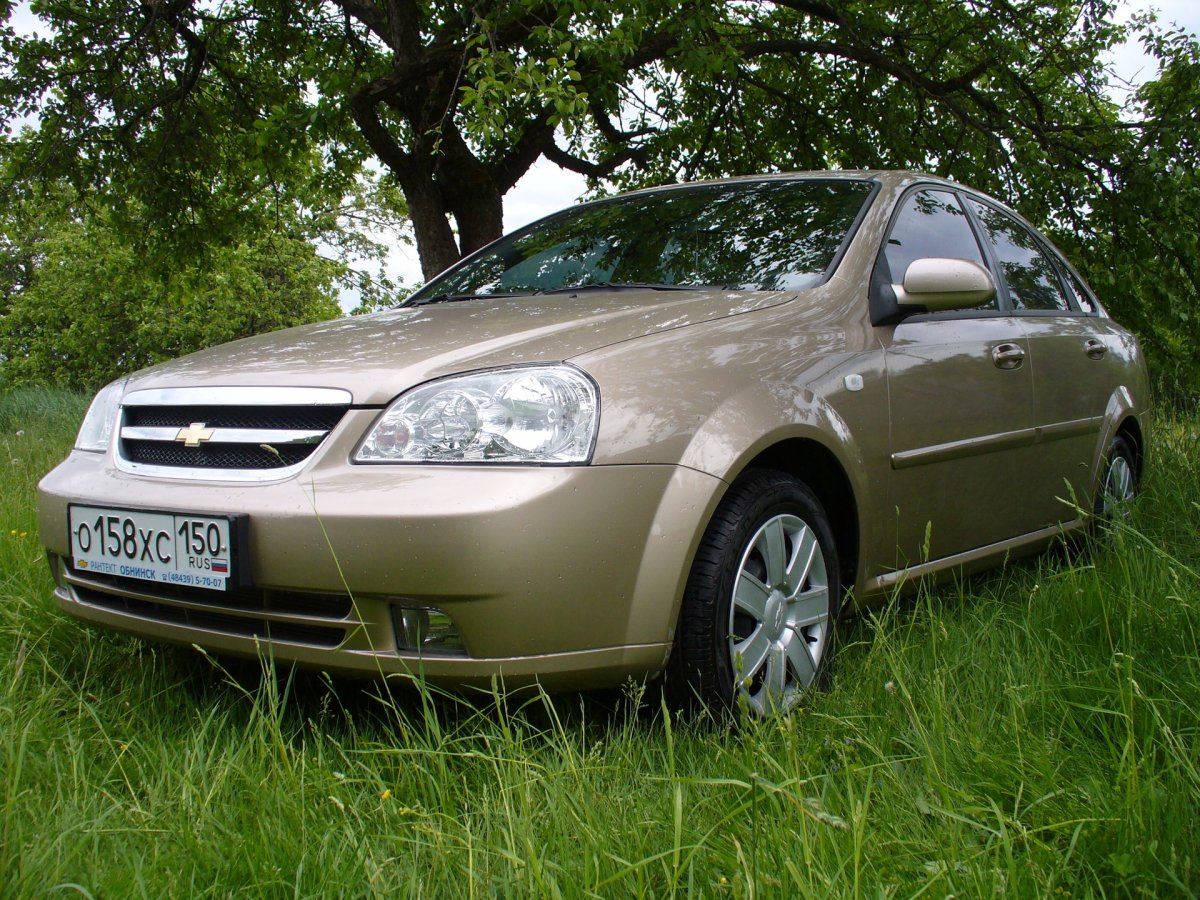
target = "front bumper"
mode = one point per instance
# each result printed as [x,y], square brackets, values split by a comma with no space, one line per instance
[570,576]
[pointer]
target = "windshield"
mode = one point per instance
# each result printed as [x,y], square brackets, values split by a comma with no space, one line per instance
[760,235]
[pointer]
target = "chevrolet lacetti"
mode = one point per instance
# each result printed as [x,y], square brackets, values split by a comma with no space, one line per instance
[668,435]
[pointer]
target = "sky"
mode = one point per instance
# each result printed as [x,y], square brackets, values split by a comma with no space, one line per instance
[547,188]
[1129,61]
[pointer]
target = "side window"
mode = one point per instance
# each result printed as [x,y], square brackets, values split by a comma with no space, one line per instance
[1032,280]
[932,223]
[1083,297]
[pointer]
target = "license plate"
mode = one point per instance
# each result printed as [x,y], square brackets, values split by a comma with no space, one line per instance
[171,548]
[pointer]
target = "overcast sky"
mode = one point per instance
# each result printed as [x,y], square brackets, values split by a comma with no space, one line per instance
[546,188]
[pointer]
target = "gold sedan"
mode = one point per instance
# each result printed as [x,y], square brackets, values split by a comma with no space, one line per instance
[673,434]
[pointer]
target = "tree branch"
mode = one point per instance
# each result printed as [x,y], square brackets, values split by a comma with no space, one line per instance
[370,15]
[536,137]
[602,169]
[364,107]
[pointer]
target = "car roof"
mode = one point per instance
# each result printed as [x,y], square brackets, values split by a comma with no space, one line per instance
[887,176]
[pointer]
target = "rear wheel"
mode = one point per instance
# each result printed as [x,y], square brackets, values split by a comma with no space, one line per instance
[760,608]
[1118,484]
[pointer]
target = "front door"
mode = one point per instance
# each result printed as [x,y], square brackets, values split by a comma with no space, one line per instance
[962,435]
[961,394]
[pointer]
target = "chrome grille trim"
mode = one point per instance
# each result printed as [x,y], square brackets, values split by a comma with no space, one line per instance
[229,435]
[329,621]
[215,620]
[186,474]
[238,396]
[220,459]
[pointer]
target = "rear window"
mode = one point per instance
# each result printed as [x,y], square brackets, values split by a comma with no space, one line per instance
[1028,269]
[764,235]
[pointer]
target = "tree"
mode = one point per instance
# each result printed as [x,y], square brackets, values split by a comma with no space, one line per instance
[458,101]
[82,303]
[1136,233]
[159,103]
[93,285]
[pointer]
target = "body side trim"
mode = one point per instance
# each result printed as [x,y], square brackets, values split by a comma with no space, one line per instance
[989,443]
[891,580]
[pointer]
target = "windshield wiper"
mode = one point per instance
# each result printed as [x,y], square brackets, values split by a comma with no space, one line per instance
[456,298]
[622,286]
[591,286]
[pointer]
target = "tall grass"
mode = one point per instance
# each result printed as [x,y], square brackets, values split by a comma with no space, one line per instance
[1029,732]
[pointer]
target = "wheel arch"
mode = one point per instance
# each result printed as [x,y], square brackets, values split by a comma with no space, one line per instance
[1122,418]
[1131,429]
[815,465]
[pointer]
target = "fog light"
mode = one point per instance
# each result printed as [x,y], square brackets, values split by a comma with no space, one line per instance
[423,629]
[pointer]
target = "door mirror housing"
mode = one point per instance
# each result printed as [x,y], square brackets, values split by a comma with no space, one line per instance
[938,284]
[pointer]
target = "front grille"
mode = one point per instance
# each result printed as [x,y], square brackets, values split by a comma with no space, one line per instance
[318,417]
[263,629]
[226,432]
[216,456]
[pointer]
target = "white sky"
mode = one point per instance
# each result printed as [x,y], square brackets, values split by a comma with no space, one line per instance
[1129,62]
[546,188]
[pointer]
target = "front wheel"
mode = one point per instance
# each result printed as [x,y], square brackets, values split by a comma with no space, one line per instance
[760,607]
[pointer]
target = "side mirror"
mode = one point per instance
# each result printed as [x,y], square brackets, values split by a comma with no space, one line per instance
[939,284]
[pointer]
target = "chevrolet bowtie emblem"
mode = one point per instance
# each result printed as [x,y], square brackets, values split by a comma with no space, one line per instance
[194,434]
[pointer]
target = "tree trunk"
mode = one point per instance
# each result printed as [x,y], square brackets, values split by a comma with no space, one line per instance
[478,215]
[436,246]
[471,192]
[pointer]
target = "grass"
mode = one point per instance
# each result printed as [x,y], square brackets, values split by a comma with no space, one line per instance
[1030,732]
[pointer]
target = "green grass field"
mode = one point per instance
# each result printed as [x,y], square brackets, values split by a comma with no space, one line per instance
[1030,732]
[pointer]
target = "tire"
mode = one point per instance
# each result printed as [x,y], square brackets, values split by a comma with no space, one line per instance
[1118,482]
[756,627]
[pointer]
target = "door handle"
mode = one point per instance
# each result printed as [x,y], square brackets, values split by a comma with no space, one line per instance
[1094,349]
[1008,356]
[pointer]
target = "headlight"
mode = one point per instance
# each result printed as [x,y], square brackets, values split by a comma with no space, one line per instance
[97,428]
[535,414]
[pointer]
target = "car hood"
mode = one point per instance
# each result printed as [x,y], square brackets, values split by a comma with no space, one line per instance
[378,356]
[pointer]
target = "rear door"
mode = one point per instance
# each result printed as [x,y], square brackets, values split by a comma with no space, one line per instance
[1071,363]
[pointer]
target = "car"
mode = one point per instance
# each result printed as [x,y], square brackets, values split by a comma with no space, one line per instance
[671,435]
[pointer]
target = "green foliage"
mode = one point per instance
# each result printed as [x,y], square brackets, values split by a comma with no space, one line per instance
[214,121]
[89,301]
[1031,732]
[203,131]
[457,102]
[177,191]
[1143,252]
